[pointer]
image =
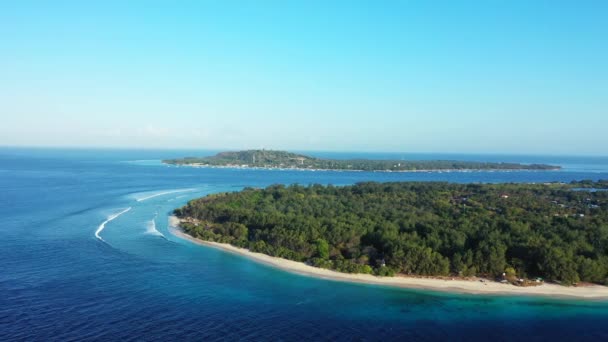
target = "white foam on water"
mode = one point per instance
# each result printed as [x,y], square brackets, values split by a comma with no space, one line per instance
[161,194]
[151,228]
[110,218]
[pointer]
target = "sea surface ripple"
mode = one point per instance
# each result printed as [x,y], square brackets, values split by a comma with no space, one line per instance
[83,259]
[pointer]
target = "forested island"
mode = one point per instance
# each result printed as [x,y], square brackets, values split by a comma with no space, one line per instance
[510,232]
[288,160]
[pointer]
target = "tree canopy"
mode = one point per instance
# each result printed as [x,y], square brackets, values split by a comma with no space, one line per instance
[555,231]
[282,159]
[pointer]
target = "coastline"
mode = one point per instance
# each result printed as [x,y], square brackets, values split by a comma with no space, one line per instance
[244,167]
[479,286]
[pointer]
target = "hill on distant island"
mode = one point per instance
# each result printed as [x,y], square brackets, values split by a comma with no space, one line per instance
[283,159]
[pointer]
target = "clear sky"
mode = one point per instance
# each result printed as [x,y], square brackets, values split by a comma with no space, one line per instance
[408,76]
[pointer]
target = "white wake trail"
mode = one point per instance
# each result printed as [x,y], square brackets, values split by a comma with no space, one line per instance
[162,193]
[110,218]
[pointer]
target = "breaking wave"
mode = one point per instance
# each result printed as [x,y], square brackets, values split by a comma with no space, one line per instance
[151,228]
[103,224]
[161,194]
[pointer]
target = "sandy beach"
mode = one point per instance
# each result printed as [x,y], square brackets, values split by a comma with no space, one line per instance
[247,167]
[477,286]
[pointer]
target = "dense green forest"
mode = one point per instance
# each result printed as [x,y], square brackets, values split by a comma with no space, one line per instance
[556,231]
[282,159]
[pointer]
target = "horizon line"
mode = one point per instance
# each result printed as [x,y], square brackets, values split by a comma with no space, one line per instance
[214,149]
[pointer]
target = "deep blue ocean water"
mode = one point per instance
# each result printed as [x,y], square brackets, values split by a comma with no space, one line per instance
[138,282]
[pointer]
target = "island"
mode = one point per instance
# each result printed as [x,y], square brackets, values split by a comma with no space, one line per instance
[503,234]
[269,159]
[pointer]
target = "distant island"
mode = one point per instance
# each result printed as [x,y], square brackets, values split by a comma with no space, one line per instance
[522,234]
[288,160]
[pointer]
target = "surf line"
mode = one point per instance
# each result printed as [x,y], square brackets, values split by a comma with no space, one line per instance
[151,228]
[110,218]
[162,193]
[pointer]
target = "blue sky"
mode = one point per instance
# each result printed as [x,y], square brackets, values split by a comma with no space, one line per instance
[404,76]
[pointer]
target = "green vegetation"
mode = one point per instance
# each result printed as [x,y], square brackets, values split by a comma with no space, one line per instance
[555,231]
[281,159]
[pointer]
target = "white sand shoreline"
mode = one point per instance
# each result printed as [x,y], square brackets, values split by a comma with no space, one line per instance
[487,287]
[246,167]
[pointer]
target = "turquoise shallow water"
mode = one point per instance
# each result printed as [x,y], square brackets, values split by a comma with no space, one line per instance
[59,282]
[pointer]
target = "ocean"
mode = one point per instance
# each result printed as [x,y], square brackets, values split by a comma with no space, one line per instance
[86,255]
